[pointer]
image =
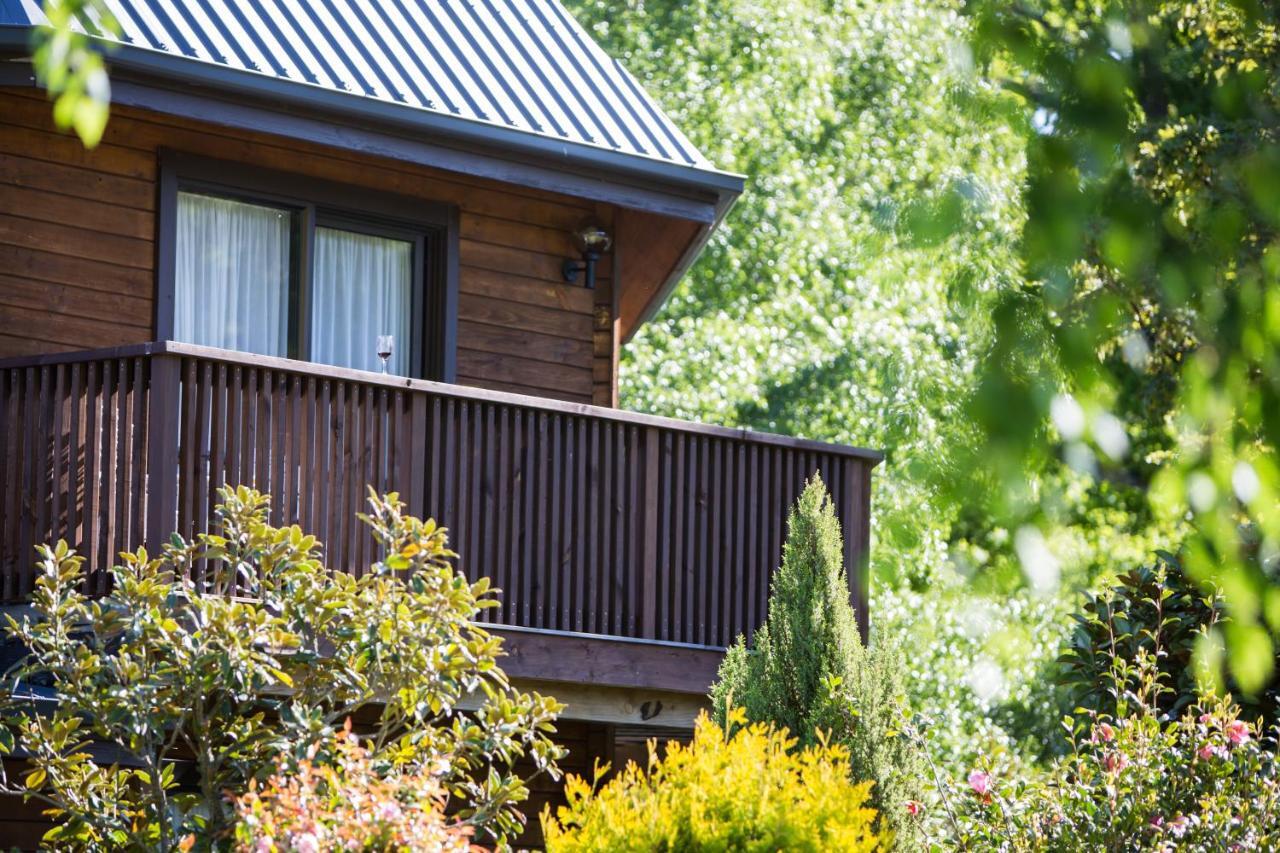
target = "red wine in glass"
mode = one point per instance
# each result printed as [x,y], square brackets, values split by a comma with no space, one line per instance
[385,344]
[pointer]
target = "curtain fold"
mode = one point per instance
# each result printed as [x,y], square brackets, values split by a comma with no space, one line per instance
[231,273]
[361,288]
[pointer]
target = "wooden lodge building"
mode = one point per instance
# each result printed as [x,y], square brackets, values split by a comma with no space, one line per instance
[202,297]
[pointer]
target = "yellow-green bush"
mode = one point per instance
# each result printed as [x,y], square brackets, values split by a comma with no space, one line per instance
[750,791]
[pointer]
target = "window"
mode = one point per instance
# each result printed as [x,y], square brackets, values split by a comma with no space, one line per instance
[278,265]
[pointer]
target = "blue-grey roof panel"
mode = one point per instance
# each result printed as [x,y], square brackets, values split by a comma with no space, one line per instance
[521,64]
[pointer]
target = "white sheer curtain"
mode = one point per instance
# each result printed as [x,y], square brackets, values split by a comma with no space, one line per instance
[232,274]
[361,289]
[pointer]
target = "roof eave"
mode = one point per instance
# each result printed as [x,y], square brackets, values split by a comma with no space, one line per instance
[457,129]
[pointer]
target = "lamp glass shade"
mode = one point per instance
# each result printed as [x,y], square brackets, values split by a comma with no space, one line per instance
[591,237]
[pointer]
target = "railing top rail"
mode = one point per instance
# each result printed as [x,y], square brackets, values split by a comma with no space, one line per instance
[463,392]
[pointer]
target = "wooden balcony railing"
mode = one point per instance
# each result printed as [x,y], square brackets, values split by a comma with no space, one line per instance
[591,520]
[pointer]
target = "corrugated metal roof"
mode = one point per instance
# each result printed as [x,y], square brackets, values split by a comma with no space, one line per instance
[521,64]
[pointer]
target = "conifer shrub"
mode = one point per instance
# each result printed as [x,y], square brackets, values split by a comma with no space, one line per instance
[810,672]
[745,788]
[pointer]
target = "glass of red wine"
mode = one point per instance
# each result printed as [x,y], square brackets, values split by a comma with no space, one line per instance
[385,344]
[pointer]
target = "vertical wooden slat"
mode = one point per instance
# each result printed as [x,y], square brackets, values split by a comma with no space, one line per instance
[616,564]
[475,480]
[523,568]
[14,433]
[110,469]
[489,512]
[309,454]
[678,497]
[328,458]
[541,519]
[138,496]
[567,457]
[188,448]
[220,461]
[591,535]
[75,458]
[412,448]
[44,461]
[204,452]
[858,539]
[689,619]
[579,534]
[25,484]
[276,477]
[649,509]
[162,450]
[58,478]
[732,585]
[754,562]
[554,521]
[93,400]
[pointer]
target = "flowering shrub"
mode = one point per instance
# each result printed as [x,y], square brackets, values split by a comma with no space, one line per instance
[237,647]
[749,790]
[345,803]
[1207,780]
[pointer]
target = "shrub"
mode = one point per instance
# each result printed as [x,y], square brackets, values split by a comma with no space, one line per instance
[346,803]
[751,791]
[1137,781]
[1150,607]
[1157,762]
[810,672]
[223,653]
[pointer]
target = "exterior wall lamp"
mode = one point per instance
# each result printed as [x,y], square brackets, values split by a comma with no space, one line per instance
[592,241]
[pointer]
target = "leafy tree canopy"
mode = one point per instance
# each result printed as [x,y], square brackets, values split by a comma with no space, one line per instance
[1153,200]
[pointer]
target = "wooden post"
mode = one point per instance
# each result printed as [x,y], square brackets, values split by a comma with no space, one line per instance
[162,484]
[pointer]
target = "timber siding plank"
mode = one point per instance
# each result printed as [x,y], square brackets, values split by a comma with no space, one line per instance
[77,250]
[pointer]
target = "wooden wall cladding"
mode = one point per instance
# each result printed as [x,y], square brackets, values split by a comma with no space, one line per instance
[77,252]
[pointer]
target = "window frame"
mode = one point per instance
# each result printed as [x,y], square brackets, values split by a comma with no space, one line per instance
[432,227]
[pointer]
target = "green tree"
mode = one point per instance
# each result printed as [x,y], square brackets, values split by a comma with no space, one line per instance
[224,653]
[810,673]
[833,302]
[1151,243]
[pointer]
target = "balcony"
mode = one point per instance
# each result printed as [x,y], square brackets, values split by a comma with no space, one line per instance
[630,549]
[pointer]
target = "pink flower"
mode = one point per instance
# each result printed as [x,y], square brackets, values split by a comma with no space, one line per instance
[980,783]
[1238,732]
[266,844]
[1179,825]
[1207,751]
[306,843]
[914,808]
[389,811]
[1115,762]
[1103,732]
[1206,719]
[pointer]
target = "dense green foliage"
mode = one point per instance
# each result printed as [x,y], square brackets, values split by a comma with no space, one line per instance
[848,297]
[239,647]
[1151,334]
[830,303]
[810,673]
[746,787]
